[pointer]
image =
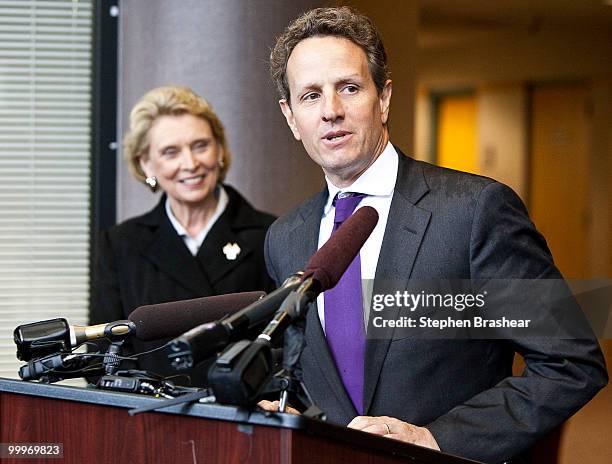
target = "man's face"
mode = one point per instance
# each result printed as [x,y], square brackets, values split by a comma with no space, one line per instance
[335,108]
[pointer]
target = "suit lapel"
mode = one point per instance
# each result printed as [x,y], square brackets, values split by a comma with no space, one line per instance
[167,251]
[303,235]
[307,229]
[406,226]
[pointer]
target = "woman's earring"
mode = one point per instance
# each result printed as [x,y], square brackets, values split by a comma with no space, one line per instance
[221,163]
[151,181]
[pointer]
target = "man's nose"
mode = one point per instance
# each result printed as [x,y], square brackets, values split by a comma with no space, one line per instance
[332,108]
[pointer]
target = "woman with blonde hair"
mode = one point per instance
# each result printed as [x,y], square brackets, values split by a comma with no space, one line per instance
[203,238]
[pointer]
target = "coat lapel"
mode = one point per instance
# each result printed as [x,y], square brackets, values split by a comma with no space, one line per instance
[167,251]
[308,230]
[404,232]
[218,256]
[214,260]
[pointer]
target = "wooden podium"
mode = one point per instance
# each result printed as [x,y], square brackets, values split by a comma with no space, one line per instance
[94,426]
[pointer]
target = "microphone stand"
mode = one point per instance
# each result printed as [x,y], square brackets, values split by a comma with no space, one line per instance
[111,360]
[290,318]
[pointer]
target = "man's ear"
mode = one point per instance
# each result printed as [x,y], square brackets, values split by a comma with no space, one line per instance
[288,113]
[385,101]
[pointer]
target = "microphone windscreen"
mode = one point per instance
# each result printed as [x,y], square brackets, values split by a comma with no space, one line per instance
[169,320]
[331,260]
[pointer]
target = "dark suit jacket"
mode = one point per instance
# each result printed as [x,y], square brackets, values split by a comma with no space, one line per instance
[445,224]
[143,261]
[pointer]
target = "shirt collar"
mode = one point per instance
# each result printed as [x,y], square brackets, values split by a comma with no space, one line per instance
[378,180]
[182,232]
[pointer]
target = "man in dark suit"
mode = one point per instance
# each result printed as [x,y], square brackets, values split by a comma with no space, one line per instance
[458,396]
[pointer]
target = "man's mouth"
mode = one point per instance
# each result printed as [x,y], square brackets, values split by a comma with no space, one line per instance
[335,135]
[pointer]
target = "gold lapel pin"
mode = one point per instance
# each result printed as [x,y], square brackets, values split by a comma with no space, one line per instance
[231,251]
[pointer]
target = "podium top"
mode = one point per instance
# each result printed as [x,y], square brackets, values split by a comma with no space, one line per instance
[133,400]
[215,411]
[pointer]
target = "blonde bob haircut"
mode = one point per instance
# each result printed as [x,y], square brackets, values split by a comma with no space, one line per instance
[168,101]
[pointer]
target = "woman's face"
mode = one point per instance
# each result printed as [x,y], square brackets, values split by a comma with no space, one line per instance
[184,157]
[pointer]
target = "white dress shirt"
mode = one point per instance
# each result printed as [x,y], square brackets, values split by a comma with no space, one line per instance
[194,243]
[377,182]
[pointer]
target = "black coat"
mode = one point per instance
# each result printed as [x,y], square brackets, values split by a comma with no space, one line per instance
[445,224]
[144,261]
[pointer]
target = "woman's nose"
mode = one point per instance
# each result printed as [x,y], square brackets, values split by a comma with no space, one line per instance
[189,159]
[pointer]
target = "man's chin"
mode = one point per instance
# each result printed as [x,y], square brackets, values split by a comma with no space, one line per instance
[343,175]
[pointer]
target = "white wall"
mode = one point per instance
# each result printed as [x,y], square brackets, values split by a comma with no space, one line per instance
[502,135]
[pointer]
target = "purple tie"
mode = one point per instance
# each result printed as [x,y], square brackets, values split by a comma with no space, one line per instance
[344,316]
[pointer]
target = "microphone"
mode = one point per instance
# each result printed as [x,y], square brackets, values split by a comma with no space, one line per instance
[113,330]
[330,262]
[203,341]
[164,320]
[241,372]
[45,337]
[55,367]
[150,322]
[41,338]
[325,268]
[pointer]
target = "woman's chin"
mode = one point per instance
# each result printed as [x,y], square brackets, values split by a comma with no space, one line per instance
[192,197]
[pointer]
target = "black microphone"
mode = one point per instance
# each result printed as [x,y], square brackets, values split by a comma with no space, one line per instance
[151,322]
[57,366]
[205,340]
[166,320]
[325,268]
[45,337]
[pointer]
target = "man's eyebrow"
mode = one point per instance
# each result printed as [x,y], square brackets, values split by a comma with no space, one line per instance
[342,80]
[349,79]
[307,86]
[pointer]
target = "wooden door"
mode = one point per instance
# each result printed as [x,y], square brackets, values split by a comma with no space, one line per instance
[559,170]
[456,132]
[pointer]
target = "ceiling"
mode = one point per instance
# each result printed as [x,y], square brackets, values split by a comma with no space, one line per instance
[442,20]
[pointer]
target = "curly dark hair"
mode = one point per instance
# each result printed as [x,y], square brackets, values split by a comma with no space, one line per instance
[344,22]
